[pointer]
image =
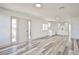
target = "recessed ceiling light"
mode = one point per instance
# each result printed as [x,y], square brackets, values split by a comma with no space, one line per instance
[38,5]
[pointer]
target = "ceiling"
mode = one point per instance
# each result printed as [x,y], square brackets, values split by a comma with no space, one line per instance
[48,11]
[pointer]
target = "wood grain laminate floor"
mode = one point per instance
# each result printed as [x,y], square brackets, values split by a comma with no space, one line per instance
[55,45]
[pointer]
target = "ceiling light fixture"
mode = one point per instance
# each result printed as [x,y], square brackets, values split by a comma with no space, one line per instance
[38,5]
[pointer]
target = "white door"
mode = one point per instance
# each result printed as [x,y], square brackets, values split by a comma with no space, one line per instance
[22,30]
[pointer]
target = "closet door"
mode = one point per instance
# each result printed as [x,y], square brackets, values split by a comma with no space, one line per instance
[4,31]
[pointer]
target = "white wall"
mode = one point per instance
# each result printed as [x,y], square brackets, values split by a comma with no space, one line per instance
[36,29]
[75,28]
[4,30]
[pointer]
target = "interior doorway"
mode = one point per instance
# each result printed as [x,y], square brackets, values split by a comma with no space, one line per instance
[20,30]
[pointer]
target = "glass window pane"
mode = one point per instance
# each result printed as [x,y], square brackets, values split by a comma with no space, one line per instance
[13,30]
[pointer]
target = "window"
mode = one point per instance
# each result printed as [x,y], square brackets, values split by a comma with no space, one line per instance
[13,30]
[49,25]
[29,29]
[44,26]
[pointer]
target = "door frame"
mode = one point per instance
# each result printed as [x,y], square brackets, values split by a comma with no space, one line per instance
[17,39]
